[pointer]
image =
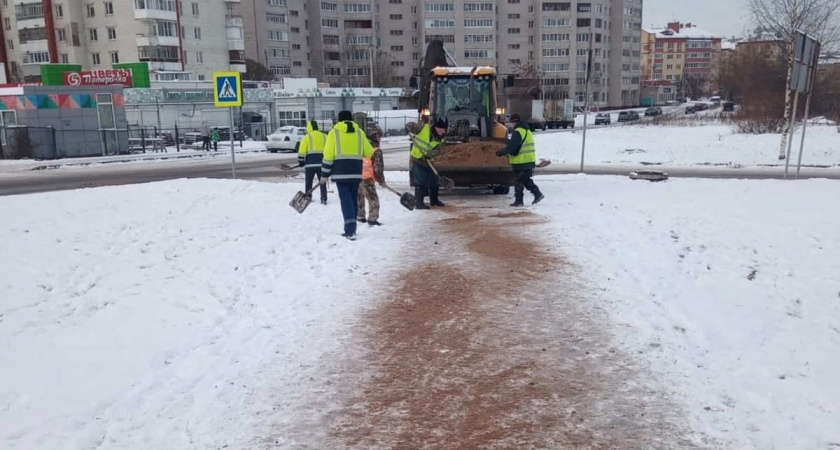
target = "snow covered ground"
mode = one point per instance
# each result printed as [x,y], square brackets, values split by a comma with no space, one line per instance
[183,314]
[728,289]
[686,146]
[195,314]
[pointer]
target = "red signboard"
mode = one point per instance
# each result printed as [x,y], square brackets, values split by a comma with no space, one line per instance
[98,78]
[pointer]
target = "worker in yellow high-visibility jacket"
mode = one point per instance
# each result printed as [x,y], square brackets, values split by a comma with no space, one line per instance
[310,156]
[344,152]
[522,154]
[425,147]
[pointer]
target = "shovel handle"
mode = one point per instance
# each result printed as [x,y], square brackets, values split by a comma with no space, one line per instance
[390,189]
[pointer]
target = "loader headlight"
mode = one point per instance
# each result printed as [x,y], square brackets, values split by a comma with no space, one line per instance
[500,111]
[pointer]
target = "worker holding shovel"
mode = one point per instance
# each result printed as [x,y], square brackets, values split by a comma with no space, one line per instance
[373,171]
[344,153]
[310,156]
[522,153]
[423,150]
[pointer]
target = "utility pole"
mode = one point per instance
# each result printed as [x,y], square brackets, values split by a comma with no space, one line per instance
[371,63]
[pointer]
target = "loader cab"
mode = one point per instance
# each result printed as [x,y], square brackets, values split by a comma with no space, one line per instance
[465,97]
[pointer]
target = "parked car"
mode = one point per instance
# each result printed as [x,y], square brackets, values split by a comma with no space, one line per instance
[701,106]
[628,116]
[653,111]
[603,119]
[715,100]
[285,139]
[690,109]
[673,103]
[729,107]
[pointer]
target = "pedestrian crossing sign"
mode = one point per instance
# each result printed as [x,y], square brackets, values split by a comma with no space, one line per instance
[227,90]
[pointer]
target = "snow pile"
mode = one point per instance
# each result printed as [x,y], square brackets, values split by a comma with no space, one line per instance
[729,289]
[184,314]
[685,146]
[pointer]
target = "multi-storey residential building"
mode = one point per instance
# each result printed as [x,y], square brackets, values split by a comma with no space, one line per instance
[181,40]
[381,42]
[681,55]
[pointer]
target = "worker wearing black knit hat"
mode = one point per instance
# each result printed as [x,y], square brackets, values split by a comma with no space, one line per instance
[424,148]
[344,152]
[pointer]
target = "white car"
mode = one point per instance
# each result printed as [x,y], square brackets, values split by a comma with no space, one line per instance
[285,139]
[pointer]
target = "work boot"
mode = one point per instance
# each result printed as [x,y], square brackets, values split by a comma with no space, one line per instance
[419,202]
[323,201]
[362,219]
[517,201]
[434,200]
[350,237]
[374,223]
[538,196]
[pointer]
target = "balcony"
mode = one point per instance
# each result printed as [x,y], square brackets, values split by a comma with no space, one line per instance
[34,46]
[33,22]
[158,41]
[235,39]
[238,67]
[155,14]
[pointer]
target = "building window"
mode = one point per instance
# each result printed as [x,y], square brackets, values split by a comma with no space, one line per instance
[329,23]
[109,8]
[513,16]
[478,38]
[293,12]
[115,57]
[295,30]
[330,39]
[396,16]
[280,36]
[275,18]
[555,23]
[477,54]
[358,40]
[478,7]
[513,30]
[91,11]
[555,67]
[276,2]
[439,23]
[112,33]
[11,44]
[555,37]
[557,6]
[94,34]
[59,11]
[199,57]
[357,7]
[6,24]
[440,7]
[555,52]
[332,72]
[95,58]
[396,48]
[329,6]
[62,35]
[513,46]
[197,32]
[64,58]
[478,23]
[279,71]
[445,38]
[195,8]
[396,32]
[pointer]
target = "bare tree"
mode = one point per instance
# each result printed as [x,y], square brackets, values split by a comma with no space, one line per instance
[784,18]
[384,73]
[256,71]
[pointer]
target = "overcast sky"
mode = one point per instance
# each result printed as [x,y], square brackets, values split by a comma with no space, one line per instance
[727,17]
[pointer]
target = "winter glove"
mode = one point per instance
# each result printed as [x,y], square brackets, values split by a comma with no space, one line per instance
[323,180]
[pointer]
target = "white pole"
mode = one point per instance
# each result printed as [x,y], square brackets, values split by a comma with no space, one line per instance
[804,126]
[585,103]
[232,152]
[791,130]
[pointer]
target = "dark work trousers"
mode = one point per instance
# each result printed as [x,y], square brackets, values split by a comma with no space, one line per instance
[347,194]
[205,143]
[425,180]
[524,181]
[310,177]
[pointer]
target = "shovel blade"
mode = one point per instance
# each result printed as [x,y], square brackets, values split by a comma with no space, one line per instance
[285,166]
[300,201]
[447,183]
[408,201]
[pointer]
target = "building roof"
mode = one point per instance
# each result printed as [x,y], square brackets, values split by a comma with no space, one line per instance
[684,33]
[728,45]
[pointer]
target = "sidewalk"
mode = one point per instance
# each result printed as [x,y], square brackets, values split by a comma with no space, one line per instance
[248,147]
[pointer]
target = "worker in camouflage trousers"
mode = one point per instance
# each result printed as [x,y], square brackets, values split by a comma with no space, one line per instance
[522,154]
[310,156]
[373,171]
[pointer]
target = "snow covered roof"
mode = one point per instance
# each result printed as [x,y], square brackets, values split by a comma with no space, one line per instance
[684,33]
[727,45]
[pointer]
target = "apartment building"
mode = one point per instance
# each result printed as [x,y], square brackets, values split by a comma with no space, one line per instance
[681,55]
[181,40]
[359,42]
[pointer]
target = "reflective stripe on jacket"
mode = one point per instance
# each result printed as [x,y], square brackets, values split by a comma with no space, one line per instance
[424,146]
[344,152]
[526,158]
[311,148]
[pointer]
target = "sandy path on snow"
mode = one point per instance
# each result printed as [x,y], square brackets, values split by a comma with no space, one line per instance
[490,344]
